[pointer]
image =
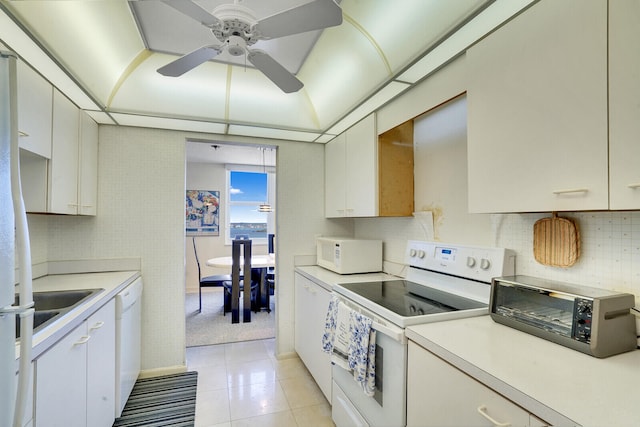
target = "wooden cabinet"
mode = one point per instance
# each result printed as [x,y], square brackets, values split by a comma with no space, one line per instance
[35,98]
[439,394]
[624,108]
[367,176]
[395,171]
[537,111]
[351,173]
[311,303]
[75,379]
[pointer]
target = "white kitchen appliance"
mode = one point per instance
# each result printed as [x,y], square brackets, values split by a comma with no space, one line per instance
[14,239]
[443,282]
[128,341]
[344,255]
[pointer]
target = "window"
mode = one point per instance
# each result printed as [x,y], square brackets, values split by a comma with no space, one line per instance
[247,188]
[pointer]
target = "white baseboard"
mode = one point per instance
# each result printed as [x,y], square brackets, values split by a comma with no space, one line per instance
[168,370]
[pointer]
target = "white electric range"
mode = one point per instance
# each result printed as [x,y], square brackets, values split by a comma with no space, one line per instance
[443,282]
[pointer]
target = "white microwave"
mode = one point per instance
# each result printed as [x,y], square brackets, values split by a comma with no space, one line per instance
[348,256]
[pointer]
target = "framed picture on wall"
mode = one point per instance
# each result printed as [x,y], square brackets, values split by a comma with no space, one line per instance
[202,213]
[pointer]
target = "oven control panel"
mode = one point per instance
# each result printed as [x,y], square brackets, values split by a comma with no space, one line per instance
[473,262]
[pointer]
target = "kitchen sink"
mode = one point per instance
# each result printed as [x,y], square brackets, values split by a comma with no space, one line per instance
[56,300]
[40,319]
[50,305]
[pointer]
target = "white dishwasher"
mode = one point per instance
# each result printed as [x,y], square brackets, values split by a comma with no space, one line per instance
[128,337]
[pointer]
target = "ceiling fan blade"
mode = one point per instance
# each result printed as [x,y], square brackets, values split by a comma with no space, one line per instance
[194,11]
[189,61]
[274,71]
[315,15]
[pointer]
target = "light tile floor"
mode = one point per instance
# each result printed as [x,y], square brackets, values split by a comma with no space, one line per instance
[243,384]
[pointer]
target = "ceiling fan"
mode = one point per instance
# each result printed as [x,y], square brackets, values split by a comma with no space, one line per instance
[236,28]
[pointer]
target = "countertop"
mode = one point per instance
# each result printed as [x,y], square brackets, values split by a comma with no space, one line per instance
[328,279]
[557,384]
[111,283]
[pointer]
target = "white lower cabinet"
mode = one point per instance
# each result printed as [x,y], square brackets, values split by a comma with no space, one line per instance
[311,303]
[441,395]
[101,367]
[27,419]
[75,379]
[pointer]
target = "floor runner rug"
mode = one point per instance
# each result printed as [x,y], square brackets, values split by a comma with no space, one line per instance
[164,401]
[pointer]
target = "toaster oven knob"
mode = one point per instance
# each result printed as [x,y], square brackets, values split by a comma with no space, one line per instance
[485,264]
[471,261]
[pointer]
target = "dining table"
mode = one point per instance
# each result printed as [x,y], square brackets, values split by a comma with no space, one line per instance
[261,262]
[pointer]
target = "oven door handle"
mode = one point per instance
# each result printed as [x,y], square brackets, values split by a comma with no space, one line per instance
[394,333]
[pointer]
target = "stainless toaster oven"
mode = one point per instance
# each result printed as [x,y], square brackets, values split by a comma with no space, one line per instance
[594,321]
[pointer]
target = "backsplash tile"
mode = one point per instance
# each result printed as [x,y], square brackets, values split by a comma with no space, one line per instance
[610,245]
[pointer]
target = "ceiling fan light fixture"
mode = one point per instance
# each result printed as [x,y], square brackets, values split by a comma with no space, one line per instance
[236,46]
[236,27]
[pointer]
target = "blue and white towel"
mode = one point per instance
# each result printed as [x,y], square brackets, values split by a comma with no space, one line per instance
[351,342]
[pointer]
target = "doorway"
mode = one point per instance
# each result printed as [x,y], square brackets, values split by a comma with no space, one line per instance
[243,178]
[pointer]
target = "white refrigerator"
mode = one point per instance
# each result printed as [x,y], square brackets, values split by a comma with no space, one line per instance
[14,245]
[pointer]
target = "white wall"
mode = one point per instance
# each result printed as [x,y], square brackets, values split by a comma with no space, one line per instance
[141,181]
[206,176]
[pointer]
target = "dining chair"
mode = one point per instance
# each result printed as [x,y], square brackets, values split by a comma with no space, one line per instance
[271,271]
[207,281]
[239,285]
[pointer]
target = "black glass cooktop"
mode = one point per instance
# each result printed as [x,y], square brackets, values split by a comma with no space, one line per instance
[411,299]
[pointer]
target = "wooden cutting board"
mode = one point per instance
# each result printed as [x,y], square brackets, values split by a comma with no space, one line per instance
[556,241]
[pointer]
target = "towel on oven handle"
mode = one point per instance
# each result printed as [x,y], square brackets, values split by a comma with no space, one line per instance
[351,342]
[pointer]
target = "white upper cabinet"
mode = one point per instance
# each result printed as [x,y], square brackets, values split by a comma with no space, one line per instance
[334,177]
[63,168]
[34,111]
[537,119]
[67,182]
[624,104]
[351,172]
[88,166]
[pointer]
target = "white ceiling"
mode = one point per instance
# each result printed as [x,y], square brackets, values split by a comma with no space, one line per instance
[103,54]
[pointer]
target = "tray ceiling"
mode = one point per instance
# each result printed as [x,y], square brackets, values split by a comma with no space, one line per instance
[111,50]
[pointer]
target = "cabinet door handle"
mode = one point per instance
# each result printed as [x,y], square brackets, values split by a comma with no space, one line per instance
[22,133]
[98,325]
[634,186]
[571,190]
[482,410]
[82,340]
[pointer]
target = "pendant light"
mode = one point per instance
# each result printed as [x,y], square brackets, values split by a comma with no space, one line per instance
[265,207]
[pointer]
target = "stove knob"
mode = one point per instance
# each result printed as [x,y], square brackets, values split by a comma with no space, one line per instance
[421,254]
[485,264]
[471,261]
[420,311]
[412,253]
[412,309]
